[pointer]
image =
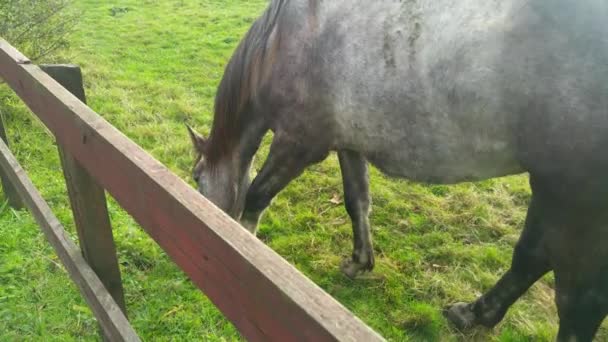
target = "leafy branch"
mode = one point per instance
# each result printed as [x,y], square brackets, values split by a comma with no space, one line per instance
[38,28]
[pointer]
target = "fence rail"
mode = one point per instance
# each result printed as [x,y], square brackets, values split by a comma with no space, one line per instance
[109,315]
[264,296]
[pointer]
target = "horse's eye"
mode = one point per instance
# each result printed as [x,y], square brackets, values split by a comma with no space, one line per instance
[196,177]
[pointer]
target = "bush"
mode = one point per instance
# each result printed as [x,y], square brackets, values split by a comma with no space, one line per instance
[38,28]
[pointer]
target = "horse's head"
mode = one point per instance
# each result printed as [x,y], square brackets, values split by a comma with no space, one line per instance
[221,181]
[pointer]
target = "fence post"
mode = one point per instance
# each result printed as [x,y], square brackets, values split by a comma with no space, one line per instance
[88,200]
[14,200]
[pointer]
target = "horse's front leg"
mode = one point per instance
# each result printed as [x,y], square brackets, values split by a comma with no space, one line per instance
[286,161]
[355,180]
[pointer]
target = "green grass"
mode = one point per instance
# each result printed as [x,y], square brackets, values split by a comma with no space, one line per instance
[149,67]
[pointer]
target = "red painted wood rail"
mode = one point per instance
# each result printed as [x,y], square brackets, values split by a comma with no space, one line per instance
[263,295]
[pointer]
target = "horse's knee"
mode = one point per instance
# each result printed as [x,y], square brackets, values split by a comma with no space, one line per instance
[257,199]
[529,259]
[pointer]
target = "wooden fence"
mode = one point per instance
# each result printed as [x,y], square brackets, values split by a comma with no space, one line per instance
[264,296]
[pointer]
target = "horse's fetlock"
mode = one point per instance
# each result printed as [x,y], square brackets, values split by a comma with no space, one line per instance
[487,314]
[365,258]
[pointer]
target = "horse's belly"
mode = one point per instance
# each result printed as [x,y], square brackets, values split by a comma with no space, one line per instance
[446,171]
[439,154]
[463,165]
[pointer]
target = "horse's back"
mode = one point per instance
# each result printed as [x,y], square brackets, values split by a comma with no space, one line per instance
[452,90]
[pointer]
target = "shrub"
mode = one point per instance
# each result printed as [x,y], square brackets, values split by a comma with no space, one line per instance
[38,28]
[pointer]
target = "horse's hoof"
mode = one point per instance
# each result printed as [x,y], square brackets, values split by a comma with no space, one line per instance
[352,269]
[460,315]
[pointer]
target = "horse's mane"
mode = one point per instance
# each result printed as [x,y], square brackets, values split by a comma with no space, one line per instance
[239,83]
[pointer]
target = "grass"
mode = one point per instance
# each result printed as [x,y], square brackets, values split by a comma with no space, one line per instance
[149,67]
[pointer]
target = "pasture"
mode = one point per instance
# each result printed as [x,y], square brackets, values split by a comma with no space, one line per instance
[151,66]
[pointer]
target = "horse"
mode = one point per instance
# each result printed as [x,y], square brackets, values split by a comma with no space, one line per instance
[434,91]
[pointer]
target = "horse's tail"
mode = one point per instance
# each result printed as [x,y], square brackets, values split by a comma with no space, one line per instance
[242,77]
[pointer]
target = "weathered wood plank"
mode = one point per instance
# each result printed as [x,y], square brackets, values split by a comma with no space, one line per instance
[88,201]
[264,296]
[9,190]
[108,313]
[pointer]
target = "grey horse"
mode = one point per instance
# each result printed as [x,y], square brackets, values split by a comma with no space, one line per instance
[436,91]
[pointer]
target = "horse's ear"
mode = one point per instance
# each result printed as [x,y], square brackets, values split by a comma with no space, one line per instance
[198,141]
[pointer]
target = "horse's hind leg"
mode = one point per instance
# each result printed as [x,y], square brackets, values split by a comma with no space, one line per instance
[286,160]
[355,180]
[529,263]
[581,307]
[581,274]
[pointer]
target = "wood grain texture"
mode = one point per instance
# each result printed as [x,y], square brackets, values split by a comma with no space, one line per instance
[108,313]
[88,201]
[263,295]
